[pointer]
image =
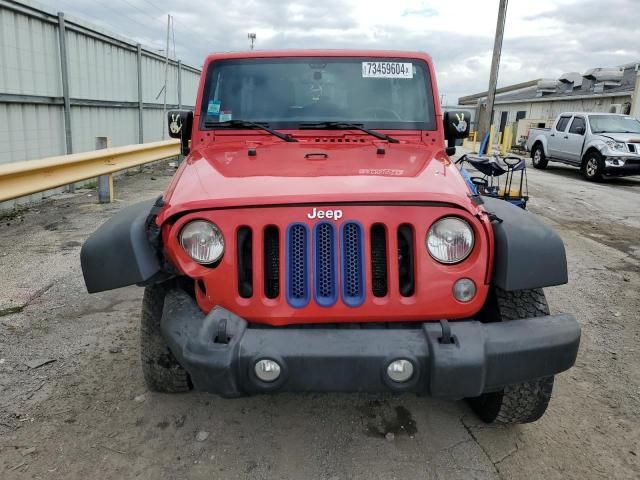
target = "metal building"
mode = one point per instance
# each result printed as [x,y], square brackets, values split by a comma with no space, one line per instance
[613,89]
[64,82]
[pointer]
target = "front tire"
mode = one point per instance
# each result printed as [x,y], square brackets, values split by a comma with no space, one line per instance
[522,402]
[538,158]
[593,166]
[161,370]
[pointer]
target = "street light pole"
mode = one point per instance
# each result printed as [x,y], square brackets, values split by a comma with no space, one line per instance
[252,38]
[484,115]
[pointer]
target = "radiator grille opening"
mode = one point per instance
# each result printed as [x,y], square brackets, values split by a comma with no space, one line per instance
[245,262]
[379,280]
[325,256]
[352,264]
[406,260]
[271,262]
[297,265]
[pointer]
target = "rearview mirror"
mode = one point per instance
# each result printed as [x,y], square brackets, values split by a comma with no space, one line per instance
[180,123]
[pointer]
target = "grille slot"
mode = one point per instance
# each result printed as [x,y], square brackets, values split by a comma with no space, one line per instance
[245,262]
[352,264]
[298,265]
[379,280]
[271,262]
[325,264]
[406,260]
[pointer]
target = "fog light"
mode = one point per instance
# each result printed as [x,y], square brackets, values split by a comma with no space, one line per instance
[400,370]
[464,290]
[267,370]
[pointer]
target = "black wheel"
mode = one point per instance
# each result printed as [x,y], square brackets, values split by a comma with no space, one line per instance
[593,166]
[538,158]
[523,402]
[162,372]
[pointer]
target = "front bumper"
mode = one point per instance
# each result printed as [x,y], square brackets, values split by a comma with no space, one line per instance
[615,165]
[482,357]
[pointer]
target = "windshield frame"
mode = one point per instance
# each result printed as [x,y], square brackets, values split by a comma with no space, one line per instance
[625,117]
[431,109]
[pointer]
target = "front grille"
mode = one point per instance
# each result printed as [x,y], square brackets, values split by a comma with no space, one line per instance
[325,256]
[352,264]
[298,265]
[326,262]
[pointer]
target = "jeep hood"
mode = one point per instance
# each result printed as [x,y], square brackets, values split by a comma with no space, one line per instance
[244,174]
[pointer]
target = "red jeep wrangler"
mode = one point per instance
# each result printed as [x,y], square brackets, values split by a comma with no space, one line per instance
[317,237]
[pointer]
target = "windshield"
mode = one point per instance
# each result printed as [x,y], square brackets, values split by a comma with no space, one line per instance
[289,92]
[613,124]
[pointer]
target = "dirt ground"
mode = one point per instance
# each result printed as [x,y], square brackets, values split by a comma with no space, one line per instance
[73,403]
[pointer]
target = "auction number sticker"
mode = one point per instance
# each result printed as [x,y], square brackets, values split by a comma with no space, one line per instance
[387,70]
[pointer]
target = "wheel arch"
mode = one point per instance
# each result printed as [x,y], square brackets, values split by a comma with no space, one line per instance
[528,253]
[590,149]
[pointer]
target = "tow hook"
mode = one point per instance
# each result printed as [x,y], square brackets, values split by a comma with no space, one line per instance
[221,335]
[446,338]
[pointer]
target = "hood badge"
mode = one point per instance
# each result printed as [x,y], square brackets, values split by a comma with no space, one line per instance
[330,214]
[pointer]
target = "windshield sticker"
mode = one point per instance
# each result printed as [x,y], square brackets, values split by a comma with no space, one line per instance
[214,107]
[387,70]
[225,116]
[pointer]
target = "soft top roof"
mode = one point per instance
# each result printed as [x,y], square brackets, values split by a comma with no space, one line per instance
[319,53]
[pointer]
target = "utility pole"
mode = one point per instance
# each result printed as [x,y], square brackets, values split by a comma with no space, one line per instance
[252,39]
[166,77]
[484,115]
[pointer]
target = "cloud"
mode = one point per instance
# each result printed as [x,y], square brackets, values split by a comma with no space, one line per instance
[542,39]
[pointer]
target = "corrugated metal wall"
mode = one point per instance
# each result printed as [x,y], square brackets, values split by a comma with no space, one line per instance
[103,86]
[548,110]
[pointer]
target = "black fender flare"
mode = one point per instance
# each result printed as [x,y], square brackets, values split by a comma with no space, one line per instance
[528,253]
[124,251]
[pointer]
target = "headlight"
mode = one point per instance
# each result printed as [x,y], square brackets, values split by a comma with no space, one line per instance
[617,146]
[202,241]
[450,240]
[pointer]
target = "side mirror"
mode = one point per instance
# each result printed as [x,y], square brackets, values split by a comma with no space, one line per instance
[456,125]
[180,123]
[580,130]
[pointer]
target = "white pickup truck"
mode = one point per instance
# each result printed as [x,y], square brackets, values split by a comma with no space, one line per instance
[601,144]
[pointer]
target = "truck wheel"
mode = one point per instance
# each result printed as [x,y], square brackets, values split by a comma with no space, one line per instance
[538,158]
[162,372]
[592,166]
[522,402]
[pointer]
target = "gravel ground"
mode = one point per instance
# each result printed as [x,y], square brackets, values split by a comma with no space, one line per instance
[73,403]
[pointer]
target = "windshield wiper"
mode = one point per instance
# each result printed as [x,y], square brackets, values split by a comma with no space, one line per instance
[347,125]
[247,124]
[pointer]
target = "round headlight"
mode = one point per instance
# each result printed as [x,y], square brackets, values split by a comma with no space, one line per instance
[450,240]
[202,241]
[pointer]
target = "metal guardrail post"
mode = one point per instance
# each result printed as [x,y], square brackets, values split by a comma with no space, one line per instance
[180,84]
[62,38]
[105,182]
[140,99]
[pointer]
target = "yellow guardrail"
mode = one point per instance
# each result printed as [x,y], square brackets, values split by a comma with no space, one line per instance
[18,179]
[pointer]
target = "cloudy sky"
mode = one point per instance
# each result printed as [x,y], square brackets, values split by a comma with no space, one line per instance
[543,38]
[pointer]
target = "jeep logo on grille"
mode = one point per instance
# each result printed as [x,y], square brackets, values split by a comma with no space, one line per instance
[333,214]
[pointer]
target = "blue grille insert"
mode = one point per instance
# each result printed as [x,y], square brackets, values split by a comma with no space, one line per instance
[325,265]
[352,264]
[297,265]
